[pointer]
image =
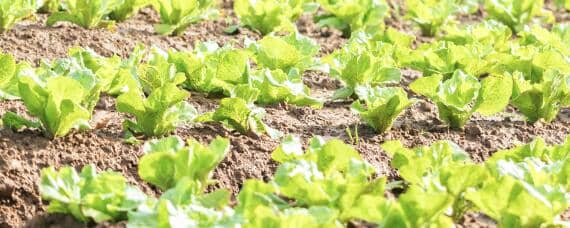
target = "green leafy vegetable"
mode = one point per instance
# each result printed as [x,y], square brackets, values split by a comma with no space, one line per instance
[285,52]
[514,13]
[267,16]
[275,86]
[127,8]
[430,15]
[89,195]
[12,11]
[239,113]
[85,13]
[168,160]
[60,103]
[462,95]
[355,64]
[159,113]
[353,15]
[177,15]
[212,69]
[381,106]
[9,71]
[541,100]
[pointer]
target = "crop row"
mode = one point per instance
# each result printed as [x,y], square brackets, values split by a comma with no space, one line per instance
[268,16]
[477,68]
[328,185]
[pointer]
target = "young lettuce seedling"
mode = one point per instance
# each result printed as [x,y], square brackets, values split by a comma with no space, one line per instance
[293,51]
[381,105]
[352,15]
[157,114]
[240,113]
[430,15]
[516,13]
[85,13]
[177,15]
[462,95]
[541,100]
[268,16]
[89,195]
[59,102]
[12,11]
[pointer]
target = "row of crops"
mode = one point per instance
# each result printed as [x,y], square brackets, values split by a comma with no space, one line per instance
[266,16]
[327,185]
[509,59]
[479,68]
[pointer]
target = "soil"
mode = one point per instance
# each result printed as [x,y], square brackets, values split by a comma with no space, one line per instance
[23,154]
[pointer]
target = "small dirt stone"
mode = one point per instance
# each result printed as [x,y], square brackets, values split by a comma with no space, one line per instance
[473,130]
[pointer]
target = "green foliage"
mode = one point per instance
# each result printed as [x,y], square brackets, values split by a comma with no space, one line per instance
[177,15]
[327,185]
[514,13]
[48,6]
[9,71]
[85,13]
[541,100]
[563,4]
[360,63]
[59,102]
[381,106]
[353,15]
[239,113]
[487,33]
[89,195]
[212,69]
[12,11]
[157,71]
[157,114]
[285,52]
[276,86]
[127,8]
[462,95]
[268,16]
[167,161]
[430,15]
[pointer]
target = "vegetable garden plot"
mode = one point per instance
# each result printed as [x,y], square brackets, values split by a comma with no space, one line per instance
[370,106]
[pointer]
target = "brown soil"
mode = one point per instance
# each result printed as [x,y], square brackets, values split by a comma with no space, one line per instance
[24,154]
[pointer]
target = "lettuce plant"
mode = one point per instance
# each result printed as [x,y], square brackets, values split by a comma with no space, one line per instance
[85,13]
[89,195]
[276,86]
[239,113]
[381,105]
[127,8]
[488,33]
[212,69]
[12,11]
[442,169]
[328,184]
[356,64]
[268,16]
[9,71]
[462,95]
[183,171]
[285,52]
[541,100]
[353,15]
[169,160]
[177,15]
[60,103]
[430,15]
[157,71]
[514,13]
[48,6]
[528,187]
[157,114]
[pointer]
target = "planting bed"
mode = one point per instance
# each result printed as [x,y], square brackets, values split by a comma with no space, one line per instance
[24,153]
